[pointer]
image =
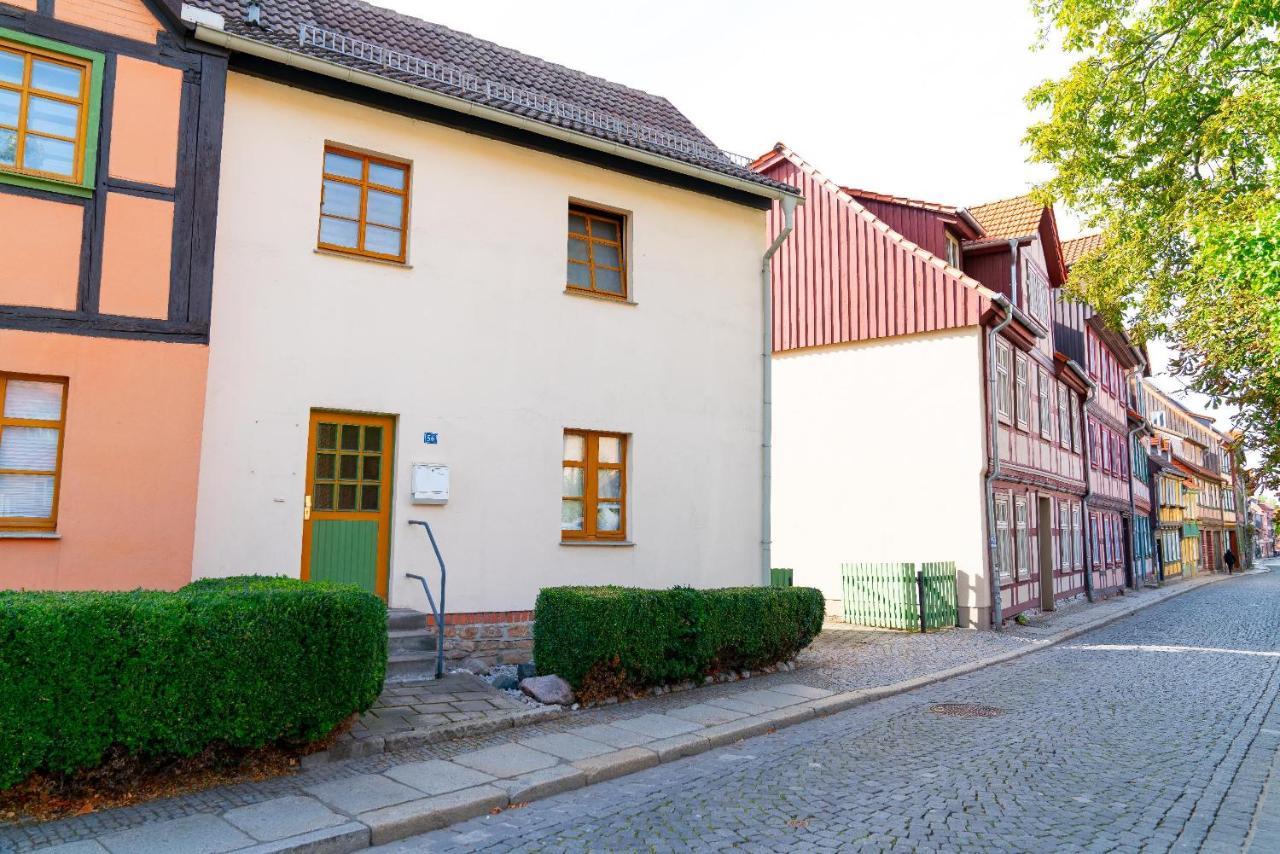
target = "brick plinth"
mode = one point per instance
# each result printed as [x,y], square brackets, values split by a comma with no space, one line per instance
[482,640]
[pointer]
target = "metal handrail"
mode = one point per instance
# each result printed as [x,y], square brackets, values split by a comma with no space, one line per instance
[437,613]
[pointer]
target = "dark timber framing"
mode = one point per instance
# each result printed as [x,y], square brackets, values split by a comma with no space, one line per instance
[195,196]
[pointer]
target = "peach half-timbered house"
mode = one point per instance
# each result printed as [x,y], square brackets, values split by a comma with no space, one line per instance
[913,357]
[110,129]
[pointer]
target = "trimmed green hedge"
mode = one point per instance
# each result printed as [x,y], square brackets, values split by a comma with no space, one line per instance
[243,661]
[662,636]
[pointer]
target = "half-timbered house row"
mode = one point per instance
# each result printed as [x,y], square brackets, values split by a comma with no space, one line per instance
[110,130]
[914,356]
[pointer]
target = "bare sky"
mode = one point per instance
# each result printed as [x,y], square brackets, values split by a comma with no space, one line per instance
[922,98]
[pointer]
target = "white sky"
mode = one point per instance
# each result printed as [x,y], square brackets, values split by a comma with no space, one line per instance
[921,98]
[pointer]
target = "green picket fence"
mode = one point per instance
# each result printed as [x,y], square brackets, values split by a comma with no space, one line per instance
[885,595]
[781,577]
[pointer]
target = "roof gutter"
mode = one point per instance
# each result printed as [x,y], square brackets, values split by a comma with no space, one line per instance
[294,59]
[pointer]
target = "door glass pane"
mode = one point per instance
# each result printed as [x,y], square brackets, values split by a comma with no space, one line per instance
[338,232]
[341,200]
[342,166]
[607,255]
[577,222]
[384,241]
[372,469]
[350,437]
[11,65]
[8,147]
[609,281]
[384,208]
[610,485]
[55,117]
[26,496]
[609,517]
[348,467]
[347,496]
[9,107]
[574,445]
[29,448]
[55,78]
[610,449]
[33,400]
[387,176]
[571,480]
[571,515]
[373,440]
[327,436]
[369,497]
[49,155]
[579,275]
[577,248]
[325,466]
[604,230]
[322,499]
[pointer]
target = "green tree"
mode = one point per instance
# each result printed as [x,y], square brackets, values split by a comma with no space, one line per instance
[1165,135]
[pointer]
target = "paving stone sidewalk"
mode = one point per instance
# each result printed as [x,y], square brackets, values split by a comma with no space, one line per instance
[348,805]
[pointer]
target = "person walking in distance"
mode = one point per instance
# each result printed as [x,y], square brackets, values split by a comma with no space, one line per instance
[1229,558]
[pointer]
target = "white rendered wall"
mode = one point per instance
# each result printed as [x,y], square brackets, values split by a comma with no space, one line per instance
[878,456]
[477,341]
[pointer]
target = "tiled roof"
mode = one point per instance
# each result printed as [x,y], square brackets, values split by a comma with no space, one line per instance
[282,20]
[1074,250]
[936,207]
[1017,217]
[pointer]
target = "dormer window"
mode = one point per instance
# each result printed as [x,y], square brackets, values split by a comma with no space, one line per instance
[954,256]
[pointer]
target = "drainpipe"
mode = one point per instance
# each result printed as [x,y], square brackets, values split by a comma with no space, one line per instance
[993,468]
[1133,508]
[766,360]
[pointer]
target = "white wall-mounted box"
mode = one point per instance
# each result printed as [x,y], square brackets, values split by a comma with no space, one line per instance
[430,483]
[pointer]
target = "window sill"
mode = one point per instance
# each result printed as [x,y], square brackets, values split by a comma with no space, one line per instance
[402,265]
[606,543]
[30,535]
[599,297]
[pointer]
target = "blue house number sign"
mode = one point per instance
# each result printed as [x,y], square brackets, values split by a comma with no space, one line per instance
[430,438]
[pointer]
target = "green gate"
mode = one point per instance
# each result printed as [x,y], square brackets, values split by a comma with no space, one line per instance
[888,595]
[779,577]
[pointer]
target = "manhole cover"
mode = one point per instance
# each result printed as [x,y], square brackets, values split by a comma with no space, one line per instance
[966,710]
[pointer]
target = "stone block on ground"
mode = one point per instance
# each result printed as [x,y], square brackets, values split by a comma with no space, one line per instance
[436,777]
[277,818]
[549,690]
[543,783]
[366,792]
[657,726]
[508,760]
[612,735]
[566,745]
[193,834]
[396,822]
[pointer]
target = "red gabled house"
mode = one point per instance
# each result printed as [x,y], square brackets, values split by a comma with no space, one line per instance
[914,367]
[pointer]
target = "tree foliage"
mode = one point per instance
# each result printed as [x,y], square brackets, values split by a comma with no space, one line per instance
[1165,134]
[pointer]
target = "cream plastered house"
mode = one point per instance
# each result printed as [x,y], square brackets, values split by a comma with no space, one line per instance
[462,285]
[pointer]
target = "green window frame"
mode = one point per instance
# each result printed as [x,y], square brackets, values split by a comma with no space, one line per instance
[93,115]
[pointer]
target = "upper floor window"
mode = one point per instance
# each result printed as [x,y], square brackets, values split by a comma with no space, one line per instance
[593,497]
[954,255]
[1046,418]
[364,207]
[1064,416]
[1022,399]
[1004,393]
[1037,292]
[44,112]
[596,253]
[32,413]
[1075,422]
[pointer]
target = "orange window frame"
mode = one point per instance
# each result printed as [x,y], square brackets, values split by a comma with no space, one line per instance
[619,222]
[364,184]
[35,523]
[26,91]
[591,466]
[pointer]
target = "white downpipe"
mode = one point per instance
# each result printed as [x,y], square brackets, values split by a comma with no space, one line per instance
[766,384]
[302,61]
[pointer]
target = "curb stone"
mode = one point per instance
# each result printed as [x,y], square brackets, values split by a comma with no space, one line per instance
[342,839]
[413,817]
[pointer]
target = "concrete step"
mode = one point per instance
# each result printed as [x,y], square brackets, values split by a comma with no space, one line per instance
[404,619]
[410,666]
[411,640]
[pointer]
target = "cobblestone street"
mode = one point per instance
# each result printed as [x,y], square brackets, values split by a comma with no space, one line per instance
[1155,733]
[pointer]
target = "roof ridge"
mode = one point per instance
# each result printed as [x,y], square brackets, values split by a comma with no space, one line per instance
[902,200]
[1002,201]
[907,245]
[488,43]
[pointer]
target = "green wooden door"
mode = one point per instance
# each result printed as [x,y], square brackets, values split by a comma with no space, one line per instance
[347,509]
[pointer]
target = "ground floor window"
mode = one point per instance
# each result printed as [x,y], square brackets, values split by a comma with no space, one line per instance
[1077,535]
[32,417]
[1004,538]
[1024,542]
[593,497]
